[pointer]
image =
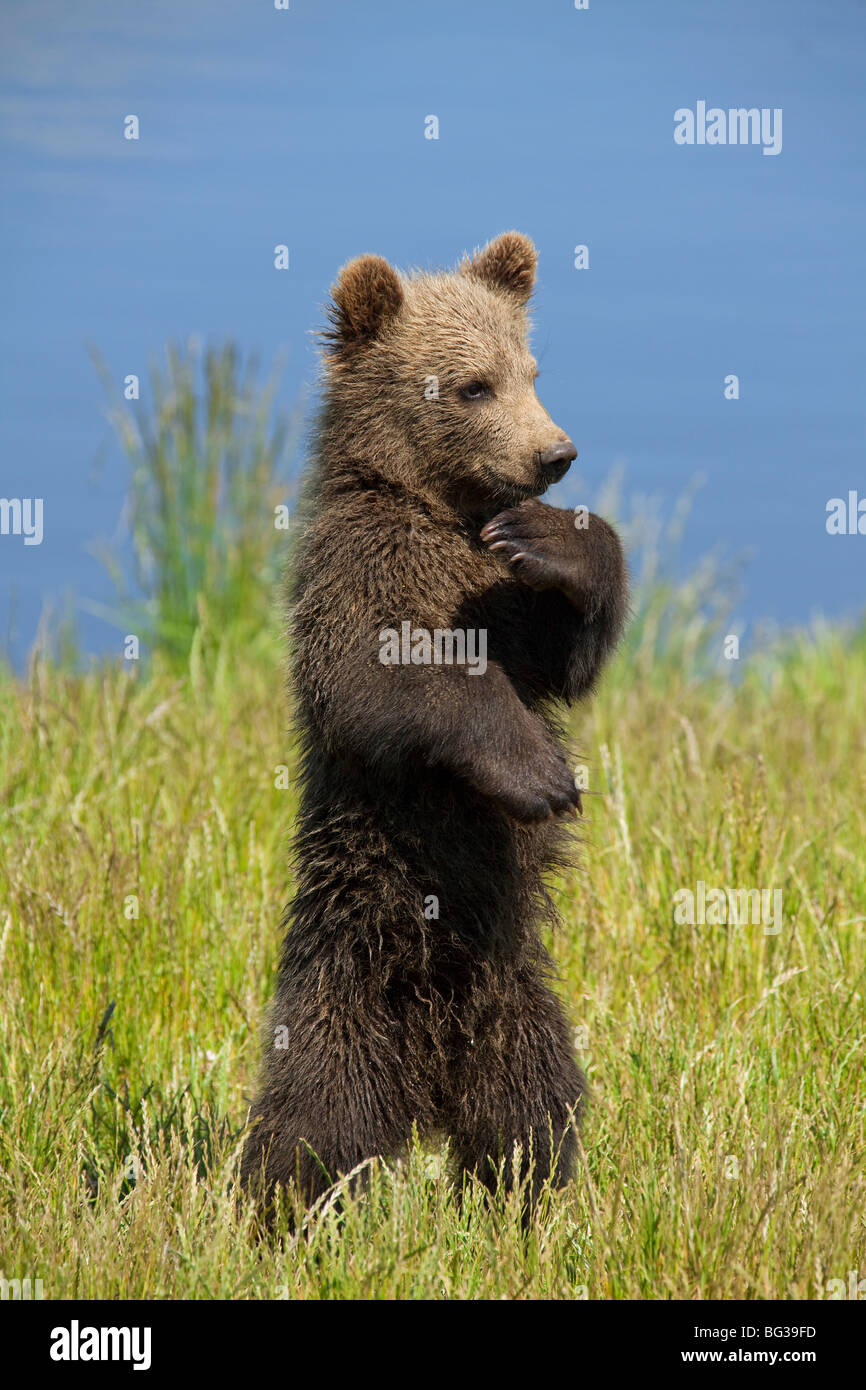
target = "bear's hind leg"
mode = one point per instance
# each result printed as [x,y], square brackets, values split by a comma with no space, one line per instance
[339,1091]
[518,1083]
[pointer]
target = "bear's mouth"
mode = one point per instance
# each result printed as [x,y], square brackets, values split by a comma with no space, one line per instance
[502,485]
[516,492]
[501,492]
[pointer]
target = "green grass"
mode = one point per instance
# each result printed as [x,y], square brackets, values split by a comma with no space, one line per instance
[143,872]
[724,1151]
[209,462]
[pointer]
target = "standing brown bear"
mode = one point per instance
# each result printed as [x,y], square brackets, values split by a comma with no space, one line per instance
[438,608]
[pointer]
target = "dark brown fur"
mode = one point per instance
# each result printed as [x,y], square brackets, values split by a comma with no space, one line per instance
[422,780]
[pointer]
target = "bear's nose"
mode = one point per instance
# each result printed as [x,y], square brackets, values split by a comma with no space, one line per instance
[556,461]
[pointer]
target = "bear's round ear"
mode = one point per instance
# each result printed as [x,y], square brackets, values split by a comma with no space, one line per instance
[506,264]
[367,294]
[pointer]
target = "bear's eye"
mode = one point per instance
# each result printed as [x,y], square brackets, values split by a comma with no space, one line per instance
[475,391]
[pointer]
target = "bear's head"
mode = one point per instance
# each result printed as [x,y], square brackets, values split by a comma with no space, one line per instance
[431,377]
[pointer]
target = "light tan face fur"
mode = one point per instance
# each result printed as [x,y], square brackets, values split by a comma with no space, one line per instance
[439,372]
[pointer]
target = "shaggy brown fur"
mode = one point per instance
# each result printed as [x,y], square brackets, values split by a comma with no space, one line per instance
[425,784]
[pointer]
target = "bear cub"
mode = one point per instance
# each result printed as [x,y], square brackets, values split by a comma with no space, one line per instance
[438,611]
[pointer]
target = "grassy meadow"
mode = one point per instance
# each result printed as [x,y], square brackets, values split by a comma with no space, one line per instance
[143,871]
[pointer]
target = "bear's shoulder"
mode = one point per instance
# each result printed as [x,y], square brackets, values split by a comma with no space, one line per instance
[388,547]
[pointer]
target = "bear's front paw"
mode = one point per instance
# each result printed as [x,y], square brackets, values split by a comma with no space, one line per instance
[536,544]
[533,788]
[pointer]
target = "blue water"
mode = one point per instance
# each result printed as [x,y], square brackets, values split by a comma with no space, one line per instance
[306,127]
